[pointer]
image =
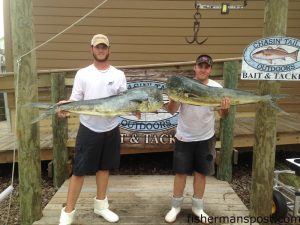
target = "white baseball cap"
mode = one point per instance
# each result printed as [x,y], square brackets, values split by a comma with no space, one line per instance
[99,39]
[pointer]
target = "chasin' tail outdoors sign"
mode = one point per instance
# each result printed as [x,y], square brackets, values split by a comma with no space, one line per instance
[272,58]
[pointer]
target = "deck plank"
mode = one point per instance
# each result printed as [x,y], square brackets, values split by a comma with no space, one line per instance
[138,200]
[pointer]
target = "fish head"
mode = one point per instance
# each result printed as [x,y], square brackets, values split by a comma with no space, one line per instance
[150,99]
[174,82]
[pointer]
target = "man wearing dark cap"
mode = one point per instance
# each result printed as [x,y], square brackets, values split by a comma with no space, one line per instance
[195,144]
[97,148]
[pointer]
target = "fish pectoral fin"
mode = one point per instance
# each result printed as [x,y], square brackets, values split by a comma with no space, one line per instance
[190,95]
[138,100]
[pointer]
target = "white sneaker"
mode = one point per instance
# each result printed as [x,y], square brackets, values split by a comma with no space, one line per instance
[101,209]
[175,210]
[197,209]
[66,218]
[172,214]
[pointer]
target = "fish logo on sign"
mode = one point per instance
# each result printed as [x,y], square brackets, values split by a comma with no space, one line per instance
[272,58]
[269,54]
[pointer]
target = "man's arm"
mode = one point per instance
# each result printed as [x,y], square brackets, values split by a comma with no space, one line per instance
[173,106]
[76,95]
[61,113]
[225,105]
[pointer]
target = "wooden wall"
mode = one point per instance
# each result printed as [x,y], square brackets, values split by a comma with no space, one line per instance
[143,31]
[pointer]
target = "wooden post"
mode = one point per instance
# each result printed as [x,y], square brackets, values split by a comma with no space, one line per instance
[26,90]
[276,12]
[230,74]
[59,131]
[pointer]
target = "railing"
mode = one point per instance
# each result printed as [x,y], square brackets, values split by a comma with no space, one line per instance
[55,85]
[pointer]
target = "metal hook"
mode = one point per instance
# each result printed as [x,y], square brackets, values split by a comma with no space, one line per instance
[197,18]
[195,39]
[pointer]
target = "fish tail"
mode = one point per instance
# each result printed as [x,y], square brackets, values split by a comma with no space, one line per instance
[39,105]
[279,96]
[43,116]
[272,100]
[277,108]
[294,55]
[50,107]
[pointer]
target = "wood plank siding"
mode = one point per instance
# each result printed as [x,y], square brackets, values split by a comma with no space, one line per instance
[143,31]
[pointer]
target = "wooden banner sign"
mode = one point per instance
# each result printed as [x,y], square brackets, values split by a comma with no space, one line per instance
[272,58]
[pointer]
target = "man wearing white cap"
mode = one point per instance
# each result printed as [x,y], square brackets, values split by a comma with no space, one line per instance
[97,148]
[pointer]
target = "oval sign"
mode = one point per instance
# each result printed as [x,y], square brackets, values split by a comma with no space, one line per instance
[272,58]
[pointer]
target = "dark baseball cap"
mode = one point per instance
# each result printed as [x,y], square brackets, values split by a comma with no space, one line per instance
[204,59]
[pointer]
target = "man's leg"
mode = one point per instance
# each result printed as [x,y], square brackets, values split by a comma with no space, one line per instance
[179,185]
[197,200]
[75,186]
[68,212]
[101,206]
[199,184]
[182,166]
[102,182]
[177,199]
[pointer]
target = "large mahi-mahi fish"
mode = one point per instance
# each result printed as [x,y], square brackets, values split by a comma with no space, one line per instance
[191,91]
[144,99]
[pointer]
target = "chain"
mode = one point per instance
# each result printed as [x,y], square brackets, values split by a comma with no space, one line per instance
[197,17]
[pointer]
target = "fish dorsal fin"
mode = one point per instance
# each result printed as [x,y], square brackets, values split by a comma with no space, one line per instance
[281,49]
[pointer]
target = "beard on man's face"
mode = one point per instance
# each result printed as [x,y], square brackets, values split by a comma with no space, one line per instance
[101,60]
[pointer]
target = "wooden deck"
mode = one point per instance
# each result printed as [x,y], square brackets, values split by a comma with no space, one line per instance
[7,142]
[288,132]
[144,200]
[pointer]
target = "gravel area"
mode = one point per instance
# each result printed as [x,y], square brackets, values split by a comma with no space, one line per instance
[147,164]
[5,180]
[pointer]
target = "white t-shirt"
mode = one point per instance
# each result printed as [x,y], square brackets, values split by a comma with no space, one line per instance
[91,83]
[196,123]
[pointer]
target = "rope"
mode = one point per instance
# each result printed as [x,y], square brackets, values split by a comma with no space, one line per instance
[63,31]
[17,93]
[15,140]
